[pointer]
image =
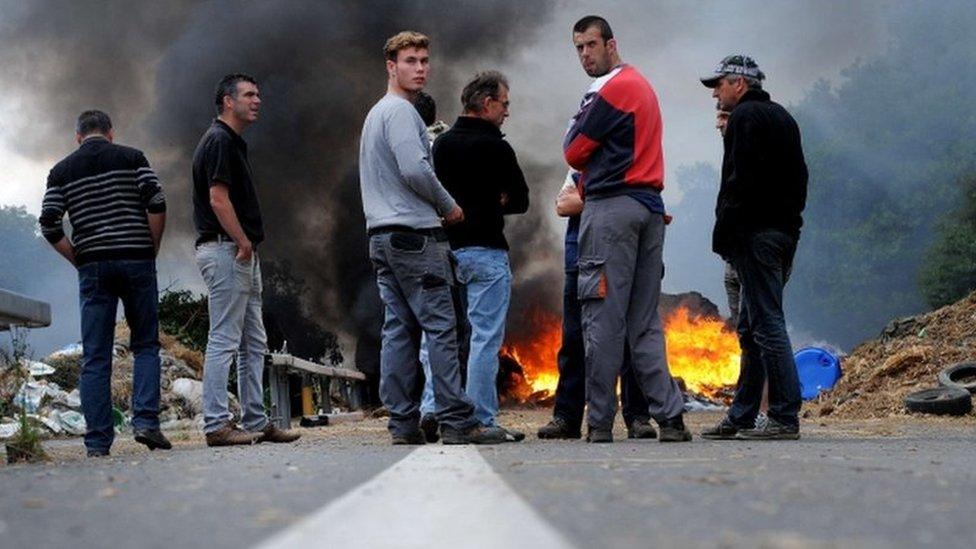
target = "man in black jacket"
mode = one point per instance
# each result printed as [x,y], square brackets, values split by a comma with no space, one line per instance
[757,226]
[480,170]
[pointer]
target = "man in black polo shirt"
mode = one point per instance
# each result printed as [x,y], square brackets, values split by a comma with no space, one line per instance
[229,228]
[480,170]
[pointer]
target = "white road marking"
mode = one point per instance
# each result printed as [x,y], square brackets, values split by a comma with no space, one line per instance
[436,497]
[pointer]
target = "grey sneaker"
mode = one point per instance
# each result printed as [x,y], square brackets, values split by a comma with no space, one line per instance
[640,427]
[772,430]
[478,434]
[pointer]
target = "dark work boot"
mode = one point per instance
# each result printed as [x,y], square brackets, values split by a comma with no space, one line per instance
[430,427]
[724,430]
[597,435]
[559,428]
[412,438]
[152,438]
[640,427]
[674,430]
[478,434]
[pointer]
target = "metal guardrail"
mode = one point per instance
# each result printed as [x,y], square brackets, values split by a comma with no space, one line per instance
[17,310]
[280,366]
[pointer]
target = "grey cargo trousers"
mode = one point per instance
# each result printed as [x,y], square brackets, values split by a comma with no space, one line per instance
[621,267]
[415,276]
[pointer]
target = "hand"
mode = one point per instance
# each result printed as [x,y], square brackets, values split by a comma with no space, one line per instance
[504,199]
[245,250]
[453,217]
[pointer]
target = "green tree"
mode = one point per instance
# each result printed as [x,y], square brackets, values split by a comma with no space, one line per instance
[949,272]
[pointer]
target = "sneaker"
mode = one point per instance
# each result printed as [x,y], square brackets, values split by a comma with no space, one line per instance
[152,438]
[271,433]
[599,435]
[723,430]
[772,430]
[558,428]
[512,435]
[478,434]
[97,452]
[640,427]
[430,427]
[674,430]
[412,438]
[231,435]
[761,420]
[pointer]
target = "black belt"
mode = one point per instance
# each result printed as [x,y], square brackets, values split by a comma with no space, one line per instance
[436,233]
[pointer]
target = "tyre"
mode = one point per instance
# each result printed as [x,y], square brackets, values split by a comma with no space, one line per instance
[941,400]
[960,376]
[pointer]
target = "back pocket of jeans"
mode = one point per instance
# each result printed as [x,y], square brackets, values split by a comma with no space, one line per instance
[407,242]
[592,279]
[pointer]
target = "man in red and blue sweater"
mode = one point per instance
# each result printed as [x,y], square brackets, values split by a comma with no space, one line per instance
[615,142]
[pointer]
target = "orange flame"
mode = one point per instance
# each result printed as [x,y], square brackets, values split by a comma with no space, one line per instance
[701,351]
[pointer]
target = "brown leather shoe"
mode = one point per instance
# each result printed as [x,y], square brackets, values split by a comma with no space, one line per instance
[230,435]
[271,433]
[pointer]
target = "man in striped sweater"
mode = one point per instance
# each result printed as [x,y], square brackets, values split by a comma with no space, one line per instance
[615,142]
[117,212]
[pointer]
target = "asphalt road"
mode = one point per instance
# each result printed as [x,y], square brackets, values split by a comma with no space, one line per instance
[839,486]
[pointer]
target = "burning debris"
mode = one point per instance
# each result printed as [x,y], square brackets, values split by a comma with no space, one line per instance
[703,353]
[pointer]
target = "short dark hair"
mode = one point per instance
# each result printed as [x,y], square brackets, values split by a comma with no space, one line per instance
[93,121]
[426,107]
[484,84]
[594,21]
[228,86]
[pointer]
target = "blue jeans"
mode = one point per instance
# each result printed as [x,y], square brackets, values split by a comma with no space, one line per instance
[101,285]
[236,332]
[487,279]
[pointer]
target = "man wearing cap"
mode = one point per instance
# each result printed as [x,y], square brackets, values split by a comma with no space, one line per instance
[615,142]
[757,226]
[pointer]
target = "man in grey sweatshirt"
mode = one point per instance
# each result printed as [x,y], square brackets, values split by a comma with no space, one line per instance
[405,207]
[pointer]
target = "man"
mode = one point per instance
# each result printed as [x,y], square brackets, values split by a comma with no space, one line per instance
[427,109]
[229,229]
[615,141]
[405,206]
[567,415]
[733,290]
[117,212]
[479,169]
[757,226]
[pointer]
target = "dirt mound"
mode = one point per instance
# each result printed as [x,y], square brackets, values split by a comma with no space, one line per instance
[906,357]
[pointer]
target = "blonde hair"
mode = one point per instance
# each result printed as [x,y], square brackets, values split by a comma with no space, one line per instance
[403,40]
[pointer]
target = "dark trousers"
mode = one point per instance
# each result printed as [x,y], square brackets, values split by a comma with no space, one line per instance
[763,262]
[571,390]
[416,280]
[101,285]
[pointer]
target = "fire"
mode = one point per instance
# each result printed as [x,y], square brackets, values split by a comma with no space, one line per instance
[701,351]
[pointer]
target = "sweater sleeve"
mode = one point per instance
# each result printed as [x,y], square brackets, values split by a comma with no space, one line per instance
[150,190]
[597,118]
[406,136]
[513,181]
[52,210]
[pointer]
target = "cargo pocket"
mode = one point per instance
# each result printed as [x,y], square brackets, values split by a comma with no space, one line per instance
[592,279]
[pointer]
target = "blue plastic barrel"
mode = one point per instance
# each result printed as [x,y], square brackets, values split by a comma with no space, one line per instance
[818,370]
